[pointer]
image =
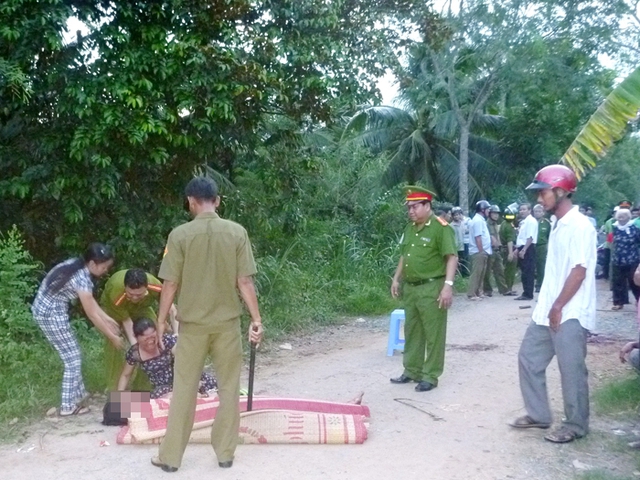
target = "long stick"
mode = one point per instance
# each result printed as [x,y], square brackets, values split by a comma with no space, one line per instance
[252,369]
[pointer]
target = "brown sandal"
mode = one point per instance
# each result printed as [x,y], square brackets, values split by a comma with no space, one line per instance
[562,435]
[527,422]
[616,307]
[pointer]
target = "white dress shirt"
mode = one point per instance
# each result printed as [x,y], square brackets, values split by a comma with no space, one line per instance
[528,228]
[572,242]
[478,228]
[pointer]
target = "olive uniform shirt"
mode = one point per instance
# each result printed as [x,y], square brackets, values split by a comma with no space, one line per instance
[507,233]
[544,229]
[205,257]
[116,304]
[423,249]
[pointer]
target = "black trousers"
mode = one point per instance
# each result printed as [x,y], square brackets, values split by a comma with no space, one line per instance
[622,281]
[528,269]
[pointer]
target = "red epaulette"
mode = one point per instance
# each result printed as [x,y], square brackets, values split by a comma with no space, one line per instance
[154,288]
[444,223]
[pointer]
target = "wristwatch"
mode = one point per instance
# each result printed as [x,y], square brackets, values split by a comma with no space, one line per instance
[449,282]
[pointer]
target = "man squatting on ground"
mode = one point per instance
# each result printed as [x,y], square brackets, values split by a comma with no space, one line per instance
[427,268]
[209,260]
[564,313]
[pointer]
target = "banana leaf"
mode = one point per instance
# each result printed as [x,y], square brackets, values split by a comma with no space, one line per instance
[606,126]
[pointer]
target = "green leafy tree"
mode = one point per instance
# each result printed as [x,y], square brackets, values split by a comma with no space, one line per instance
[118,119]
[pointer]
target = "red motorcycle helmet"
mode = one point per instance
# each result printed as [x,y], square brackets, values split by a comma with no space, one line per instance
[553,176]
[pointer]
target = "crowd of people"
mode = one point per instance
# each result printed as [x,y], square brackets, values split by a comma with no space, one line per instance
[493,243]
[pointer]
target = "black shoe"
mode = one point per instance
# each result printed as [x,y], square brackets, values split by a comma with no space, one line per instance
[537,290]
[227,464]
[488,294]
[510,294]
[424,386]
[522,297]
[401,379]
[155,461]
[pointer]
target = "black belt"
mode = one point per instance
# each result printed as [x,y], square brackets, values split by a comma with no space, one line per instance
[422,282]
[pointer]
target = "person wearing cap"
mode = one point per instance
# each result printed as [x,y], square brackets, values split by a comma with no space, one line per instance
[625,259]
[526,245]
[564,313]
[544,228]
[210,263]
[479,250]
[494,262]
[508,239]
[427,268]
[127,296]
[459,228]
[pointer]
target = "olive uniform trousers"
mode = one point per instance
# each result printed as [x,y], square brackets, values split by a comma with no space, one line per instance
[495,267]
[510,268]
[425,331]
[225,350]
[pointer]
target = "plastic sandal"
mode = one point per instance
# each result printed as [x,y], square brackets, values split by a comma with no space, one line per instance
[79,410]
[527,422]
[562,435]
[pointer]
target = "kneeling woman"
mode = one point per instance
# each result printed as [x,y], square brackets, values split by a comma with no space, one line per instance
[66,282]
[155,361]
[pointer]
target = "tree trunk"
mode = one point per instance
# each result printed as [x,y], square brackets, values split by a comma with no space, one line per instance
[463,195]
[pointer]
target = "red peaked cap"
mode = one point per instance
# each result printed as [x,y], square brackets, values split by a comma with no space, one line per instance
[418,194]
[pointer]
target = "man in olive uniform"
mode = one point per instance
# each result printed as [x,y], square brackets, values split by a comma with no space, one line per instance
[508,239]
[209,260]
[427,268]
[128,296]
[494,262]
[544,229]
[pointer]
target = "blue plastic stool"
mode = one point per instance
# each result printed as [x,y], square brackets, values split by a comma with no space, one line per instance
[395,342]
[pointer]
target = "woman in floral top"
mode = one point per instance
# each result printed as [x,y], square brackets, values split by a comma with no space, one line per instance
[626,256]
[156,362]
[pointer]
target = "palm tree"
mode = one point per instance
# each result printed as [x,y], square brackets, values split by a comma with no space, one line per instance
[423,145]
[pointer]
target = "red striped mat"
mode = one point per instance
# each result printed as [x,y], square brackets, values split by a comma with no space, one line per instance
[273,420]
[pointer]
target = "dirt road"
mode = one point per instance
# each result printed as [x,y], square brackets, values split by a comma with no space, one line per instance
[457,431]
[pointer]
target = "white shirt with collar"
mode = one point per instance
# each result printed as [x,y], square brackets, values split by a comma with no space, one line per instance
[478,228]
[572,243]
[528,228]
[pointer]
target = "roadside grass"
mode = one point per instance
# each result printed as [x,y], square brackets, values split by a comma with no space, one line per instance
[30,385]
[620,396]
[619,399]
[601,475]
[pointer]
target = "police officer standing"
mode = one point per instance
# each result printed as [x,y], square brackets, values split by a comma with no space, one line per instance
[209,260]
[427,268]
[508,239]
[494,262]
[544,229]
